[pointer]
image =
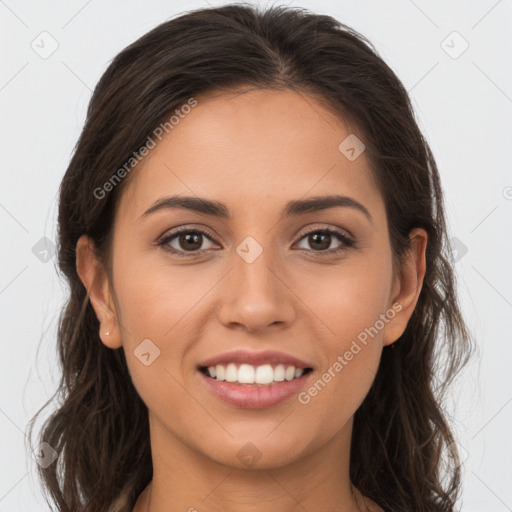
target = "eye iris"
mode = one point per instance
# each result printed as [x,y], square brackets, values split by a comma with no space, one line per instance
[326,239]
[187,237]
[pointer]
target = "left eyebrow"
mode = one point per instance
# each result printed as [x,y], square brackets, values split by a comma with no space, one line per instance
[292,208]
[319,203]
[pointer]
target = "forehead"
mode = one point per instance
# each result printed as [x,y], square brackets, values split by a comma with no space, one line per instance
[257,145]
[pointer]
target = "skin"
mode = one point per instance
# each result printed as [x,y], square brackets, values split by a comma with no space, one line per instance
[253,152]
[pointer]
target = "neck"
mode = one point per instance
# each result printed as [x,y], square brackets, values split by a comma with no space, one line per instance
[189,481]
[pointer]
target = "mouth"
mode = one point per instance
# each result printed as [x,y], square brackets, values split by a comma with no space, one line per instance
[261,375]
[254,380]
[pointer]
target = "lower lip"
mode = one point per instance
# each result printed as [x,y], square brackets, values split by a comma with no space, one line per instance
[249,396]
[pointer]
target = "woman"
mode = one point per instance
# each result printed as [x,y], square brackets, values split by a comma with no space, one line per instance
[261,290]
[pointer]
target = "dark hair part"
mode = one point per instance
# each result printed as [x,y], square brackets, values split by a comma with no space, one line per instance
[400,434]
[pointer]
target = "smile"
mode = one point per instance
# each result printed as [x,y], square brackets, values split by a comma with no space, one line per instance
[264,375]
[254,380]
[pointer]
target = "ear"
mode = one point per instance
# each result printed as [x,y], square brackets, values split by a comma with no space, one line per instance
[95,279]
[407,285]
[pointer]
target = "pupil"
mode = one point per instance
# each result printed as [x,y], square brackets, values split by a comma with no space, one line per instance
[316,235]
[186,238]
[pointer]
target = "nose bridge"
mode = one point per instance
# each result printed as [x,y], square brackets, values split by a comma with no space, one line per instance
[254,295]
[252,268]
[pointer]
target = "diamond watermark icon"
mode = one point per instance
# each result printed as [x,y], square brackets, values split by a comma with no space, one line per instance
[146,352]
[351,147]
[44,249]
[44,455]
[45,45]
[459,249]
[249,249]
[454,45]
[249,454]
[463,454]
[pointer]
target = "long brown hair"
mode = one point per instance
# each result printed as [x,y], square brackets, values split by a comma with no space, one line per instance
[402,442]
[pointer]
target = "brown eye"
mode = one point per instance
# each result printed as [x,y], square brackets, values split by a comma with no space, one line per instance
[190,241]
[185,240]
[320,240]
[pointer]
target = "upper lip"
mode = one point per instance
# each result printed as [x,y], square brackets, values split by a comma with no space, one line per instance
[255,358]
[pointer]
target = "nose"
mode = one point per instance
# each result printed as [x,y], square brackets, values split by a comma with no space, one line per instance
[256,295]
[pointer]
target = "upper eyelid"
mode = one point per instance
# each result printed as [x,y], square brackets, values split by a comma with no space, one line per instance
[338,230]
[185,229]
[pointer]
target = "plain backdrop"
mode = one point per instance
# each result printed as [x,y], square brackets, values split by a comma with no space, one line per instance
[452,57]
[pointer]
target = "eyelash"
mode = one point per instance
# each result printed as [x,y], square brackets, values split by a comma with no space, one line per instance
[347,242]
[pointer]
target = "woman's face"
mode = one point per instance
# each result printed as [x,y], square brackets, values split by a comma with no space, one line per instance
[261,288]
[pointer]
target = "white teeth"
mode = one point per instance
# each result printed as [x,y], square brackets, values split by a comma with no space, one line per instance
[279,373]
[264,374]
[231,373]
[248,374]
[289,374]
[219,370]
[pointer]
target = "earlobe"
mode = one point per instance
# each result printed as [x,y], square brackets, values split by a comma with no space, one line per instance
[95,280]
[409,284]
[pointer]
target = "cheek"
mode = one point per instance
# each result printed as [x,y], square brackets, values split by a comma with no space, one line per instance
[158,328]
[350,352]
[155,297]
[352,304]
[166,305]
[352,299]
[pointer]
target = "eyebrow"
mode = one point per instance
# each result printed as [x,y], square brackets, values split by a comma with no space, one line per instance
[292,208]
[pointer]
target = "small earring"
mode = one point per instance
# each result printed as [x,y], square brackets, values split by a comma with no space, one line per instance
[107,333]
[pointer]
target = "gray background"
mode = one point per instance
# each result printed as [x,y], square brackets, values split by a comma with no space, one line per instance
[463,101]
